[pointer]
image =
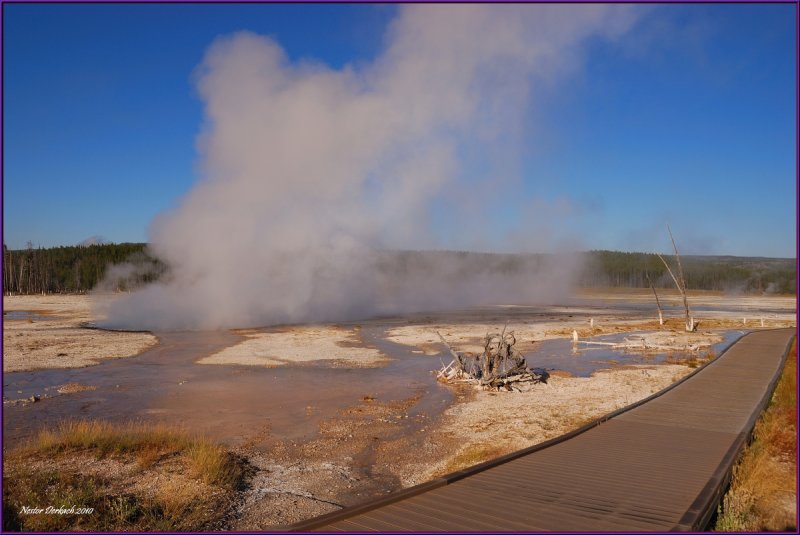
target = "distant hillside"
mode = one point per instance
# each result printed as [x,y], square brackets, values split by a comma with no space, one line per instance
[80,268]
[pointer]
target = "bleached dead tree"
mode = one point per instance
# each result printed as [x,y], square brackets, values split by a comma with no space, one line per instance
[680,283]
[500,366]
[658,303]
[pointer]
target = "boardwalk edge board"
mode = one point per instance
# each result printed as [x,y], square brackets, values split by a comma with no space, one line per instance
[705,505]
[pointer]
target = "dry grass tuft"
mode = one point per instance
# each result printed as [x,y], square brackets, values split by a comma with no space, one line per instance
[692,360]
[108,439]
[214,465]
[180,501]
[148,456]
[763,493]
[132,477]
[471,456]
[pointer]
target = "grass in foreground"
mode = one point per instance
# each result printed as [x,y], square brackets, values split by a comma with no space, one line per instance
[763,493]
[471,456]
[95,476]
[692,360]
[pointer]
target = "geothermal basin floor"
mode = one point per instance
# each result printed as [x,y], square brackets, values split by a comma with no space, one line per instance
[659,466]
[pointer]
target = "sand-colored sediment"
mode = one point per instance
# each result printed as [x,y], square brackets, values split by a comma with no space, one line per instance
[595,312]
[296,481]
[59,341]
[749,303]
[678,339]
[502,422]
[465,338]
[336,346]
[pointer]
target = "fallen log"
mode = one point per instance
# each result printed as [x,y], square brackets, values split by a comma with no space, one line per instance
[640,345]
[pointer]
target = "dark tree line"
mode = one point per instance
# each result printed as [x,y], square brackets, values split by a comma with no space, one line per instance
[722,273]
[78,269]
[75,269]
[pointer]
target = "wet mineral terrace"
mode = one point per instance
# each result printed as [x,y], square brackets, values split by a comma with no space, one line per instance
[259,405]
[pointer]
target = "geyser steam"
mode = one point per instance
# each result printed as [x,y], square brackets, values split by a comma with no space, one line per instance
[309,172]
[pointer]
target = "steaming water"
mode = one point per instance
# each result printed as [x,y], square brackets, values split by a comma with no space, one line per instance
[237,404]
[228,403]
[309,173]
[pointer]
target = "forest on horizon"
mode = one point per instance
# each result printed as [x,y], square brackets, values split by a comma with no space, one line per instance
[78,269]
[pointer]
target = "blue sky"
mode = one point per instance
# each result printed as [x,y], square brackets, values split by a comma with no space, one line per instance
[689,119]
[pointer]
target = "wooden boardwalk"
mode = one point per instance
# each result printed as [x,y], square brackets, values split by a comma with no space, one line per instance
[659,466]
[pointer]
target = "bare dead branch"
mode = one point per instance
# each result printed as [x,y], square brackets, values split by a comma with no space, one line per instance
[690,325]
[658,304]
[500,366]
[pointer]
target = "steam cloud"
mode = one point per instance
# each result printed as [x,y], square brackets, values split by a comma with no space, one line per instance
[310,174]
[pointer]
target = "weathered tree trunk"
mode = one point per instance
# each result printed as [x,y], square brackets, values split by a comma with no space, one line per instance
[500,366]
[658,303]
[680,284]
[690,326]
[450,349]
[6,270]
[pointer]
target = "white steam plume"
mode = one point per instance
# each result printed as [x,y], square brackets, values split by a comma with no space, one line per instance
[308,171]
